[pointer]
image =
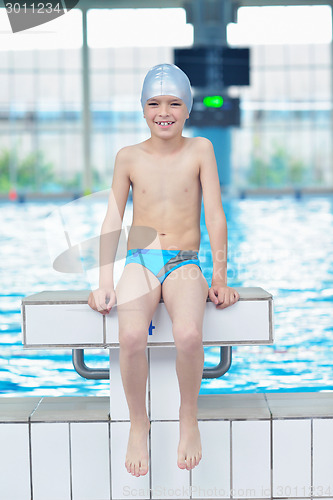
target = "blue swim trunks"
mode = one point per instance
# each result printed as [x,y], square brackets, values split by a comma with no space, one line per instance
[162,262]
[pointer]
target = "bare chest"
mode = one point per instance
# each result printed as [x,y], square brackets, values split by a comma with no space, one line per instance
[165,180]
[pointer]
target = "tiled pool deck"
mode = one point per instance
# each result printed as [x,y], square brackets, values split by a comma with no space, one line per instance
[254,446]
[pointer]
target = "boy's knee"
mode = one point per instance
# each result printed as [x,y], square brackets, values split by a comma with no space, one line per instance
[133,340]
[187,336]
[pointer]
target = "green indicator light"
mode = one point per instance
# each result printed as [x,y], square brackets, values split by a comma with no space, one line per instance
[214,101]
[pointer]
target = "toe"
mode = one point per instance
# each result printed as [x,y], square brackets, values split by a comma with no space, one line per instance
[143,468]
[189,463]
[181,461]
[137,470]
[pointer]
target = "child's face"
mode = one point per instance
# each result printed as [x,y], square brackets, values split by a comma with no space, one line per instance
[165,115]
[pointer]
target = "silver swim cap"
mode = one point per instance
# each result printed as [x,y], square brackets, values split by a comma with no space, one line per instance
[167,79]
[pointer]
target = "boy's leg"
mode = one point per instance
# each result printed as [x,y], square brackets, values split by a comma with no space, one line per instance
[185,293]
[138,294]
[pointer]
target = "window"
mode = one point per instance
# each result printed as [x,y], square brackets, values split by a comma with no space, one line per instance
[286,112]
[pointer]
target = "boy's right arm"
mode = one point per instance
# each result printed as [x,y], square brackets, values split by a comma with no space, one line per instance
[104,297]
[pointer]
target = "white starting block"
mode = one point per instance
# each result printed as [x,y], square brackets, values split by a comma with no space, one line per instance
[63,319]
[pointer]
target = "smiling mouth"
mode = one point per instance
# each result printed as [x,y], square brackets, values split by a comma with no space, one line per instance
[164,124]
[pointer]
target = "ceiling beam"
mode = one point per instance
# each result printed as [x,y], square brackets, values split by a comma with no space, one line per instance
[129,4]
[142,4]
[274,3]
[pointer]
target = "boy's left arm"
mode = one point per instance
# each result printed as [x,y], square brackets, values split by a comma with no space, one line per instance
[220,293]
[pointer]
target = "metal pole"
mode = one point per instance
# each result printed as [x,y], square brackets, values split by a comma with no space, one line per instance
[86,133]
[331,90]
[104,373]
[223,366]
[86,372]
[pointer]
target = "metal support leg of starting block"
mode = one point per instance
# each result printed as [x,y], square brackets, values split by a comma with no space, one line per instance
[104,373]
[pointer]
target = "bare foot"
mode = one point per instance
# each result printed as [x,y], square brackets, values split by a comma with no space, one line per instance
[189,449]
[137,449]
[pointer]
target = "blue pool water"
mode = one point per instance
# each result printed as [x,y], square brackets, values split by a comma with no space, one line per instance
[283,245]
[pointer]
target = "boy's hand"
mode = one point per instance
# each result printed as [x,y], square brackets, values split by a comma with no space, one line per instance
[102,300]
[222,296]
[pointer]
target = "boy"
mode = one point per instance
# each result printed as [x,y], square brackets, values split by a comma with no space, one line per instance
[169,174]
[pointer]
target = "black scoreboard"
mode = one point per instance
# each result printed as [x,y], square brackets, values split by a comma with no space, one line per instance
[214,65]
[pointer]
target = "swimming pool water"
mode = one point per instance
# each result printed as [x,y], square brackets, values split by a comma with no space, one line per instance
[283,245]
